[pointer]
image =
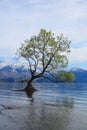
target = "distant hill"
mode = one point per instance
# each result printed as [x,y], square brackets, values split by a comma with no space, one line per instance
[80,74]
[14,73]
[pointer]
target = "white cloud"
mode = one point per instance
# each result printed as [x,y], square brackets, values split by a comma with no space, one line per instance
[21,19]
[78,54]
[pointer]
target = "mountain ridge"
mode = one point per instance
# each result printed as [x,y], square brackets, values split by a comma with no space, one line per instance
[17,73]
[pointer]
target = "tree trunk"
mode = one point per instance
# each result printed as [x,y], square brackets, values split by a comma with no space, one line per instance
[29,86]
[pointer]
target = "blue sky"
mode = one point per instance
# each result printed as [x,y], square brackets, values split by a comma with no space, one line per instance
[20,19]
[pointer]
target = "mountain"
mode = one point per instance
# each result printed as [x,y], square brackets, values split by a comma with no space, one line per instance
[12,72]
[80,74]
[17,73]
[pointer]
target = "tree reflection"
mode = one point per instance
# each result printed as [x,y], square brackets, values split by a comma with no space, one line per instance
[29,94]
[68,102]
[47,113]
[48,117]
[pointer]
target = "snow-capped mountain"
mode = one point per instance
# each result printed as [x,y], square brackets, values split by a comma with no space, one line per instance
[80,74]
[14,64]
[13,71]
[4,63]
[17,71]
[73,69]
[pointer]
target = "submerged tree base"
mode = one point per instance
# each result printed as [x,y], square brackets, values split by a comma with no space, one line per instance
[30,88]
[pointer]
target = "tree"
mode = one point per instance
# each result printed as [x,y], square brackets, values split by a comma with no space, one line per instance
[68,76]
[46,52]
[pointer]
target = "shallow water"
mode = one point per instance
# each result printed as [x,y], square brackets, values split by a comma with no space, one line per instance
[52,107]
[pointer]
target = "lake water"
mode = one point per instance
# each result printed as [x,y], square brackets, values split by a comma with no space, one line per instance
[52,107]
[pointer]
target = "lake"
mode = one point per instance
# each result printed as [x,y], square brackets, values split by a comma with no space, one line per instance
[52,107]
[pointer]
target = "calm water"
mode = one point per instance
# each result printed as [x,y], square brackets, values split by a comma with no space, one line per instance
[53,107]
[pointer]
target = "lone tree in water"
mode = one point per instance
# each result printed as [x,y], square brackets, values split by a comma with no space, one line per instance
[45,52]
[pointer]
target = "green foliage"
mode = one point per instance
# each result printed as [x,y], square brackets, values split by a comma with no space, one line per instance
[68,76]
[45,51]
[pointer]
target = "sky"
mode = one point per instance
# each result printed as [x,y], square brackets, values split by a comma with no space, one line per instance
[20,19]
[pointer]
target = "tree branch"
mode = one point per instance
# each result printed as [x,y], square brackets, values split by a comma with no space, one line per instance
[51,74]
[49,79]
[30,66]
[35,66]
[50,59]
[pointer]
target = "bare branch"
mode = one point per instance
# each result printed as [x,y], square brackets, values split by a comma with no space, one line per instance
[30,66]
[51,74]
[35,66]
[50,59]
[49,79]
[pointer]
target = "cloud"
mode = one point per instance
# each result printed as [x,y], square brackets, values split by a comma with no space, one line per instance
[78,54]
[21,19]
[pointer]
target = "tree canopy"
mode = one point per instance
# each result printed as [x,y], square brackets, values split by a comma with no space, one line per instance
[45,52]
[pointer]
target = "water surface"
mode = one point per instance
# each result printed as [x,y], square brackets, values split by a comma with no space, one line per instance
[52,107]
